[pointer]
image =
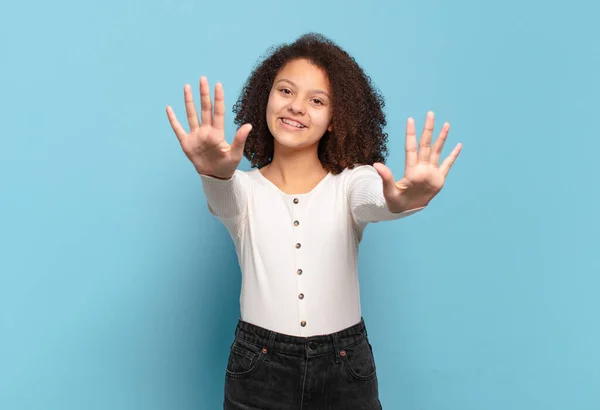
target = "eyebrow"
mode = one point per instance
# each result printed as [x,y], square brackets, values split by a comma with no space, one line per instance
[294,84]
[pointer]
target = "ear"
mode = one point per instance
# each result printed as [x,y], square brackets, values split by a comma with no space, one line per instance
[330,128]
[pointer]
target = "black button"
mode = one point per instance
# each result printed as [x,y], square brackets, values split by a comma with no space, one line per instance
[299,271]
[312,345]
[296,223]
[296,200]
[298,246]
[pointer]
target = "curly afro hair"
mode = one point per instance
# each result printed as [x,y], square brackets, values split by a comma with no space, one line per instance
[358,120]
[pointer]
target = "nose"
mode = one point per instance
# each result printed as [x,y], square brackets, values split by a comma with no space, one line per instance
[296,106]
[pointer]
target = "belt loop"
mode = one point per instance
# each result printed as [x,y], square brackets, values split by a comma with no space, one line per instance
[272,335]
[362,326]
[271,340]
[336,347]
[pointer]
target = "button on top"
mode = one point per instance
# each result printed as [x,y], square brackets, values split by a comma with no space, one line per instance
[303,323]
[301,296]
[298,246]
[299,271]
[296,200]
[296,223]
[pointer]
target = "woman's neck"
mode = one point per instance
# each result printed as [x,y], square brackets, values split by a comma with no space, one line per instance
[297,173]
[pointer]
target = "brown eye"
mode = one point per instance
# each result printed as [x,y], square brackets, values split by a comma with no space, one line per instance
[285,91]
[319,102]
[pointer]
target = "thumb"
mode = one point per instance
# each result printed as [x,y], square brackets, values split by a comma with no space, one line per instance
[389,185]
[237,146]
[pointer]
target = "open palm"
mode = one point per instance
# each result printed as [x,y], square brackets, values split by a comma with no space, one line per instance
[205,144]
[423,176]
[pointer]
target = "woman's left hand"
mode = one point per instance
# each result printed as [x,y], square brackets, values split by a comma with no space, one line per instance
[423,178]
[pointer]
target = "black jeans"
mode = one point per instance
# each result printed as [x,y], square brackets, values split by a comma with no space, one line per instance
[269,370]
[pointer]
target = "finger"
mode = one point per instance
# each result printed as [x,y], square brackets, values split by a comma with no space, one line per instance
[436,150]
[425,143]
[411,144]
[449,161]
[239,141]
[205,102]
[219,118]
[190,108]
[389,185]
[177,128]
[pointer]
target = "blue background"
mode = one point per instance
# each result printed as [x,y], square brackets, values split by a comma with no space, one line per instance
[118,290]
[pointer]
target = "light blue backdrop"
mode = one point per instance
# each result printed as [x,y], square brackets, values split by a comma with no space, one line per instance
[118,290]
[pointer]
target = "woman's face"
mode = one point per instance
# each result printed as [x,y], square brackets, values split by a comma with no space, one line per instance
[299,108]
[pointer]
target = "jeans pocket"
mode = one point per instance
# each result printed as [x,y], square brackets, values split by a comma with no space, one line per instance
[244,358]
[359,361]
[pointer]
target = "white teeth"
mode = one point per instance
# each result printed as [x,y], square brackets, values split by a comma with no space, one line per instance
[292,123]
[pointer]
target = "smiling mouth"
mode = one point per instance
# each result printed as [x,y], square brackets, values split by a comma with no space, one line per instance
[292,123]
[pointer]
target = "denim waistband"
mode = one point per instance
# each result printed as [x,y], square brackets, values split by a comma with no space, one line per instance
[317,345]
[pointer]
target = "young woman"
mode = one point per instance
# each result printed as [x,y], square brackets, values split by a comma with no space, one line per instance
[312,126]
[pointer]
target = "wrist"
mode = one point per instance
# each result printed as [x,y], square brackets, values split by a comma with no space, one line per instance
[215,176]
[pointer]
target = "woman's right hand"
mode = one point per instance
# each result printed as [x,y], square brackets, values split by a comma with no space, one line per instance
[205,144]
